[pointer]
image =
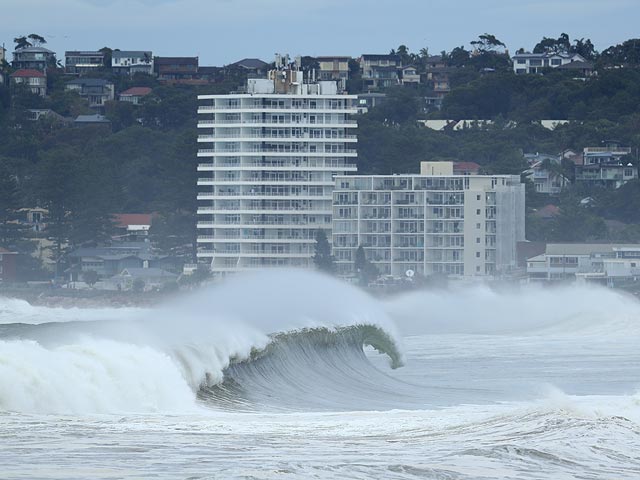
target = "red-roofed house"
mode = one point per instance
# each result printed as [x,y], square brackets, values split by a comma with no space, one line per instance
[466,168]
[35,80]
[7,265]
[134,94]
[547,212]
[132,226]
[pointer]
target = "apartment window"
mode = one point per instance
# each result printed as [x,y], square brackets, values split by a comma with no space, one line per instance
[478,269]
[477,254]
[478,225]
[477,239]
[477,197]
[556,61]
[478,211]
[521,61]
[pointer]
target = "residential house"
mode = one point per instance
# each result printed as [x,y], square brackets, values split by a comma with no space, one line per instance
[132,226]
[134,95]
[579,69]
[609,166]
[33,58]
[432,223]
[334,68]
[435,62]
[379,71]
[96,90]
[176,69]
[8,260]
[34,218]
[209,75]
[34,80]
[131,62]
[110,260]
[82,62]
[608,264]
[409,75]
[149,279]
[37,114]
[535,62]
[92,120]
[254,67]
[544,171]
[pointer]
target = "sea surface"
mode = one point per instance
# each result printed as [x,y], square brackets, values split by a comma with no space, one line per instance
[293,375]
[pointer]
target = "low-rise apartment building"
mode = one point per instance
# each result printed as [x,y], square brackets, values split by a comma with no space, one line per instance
[432,223]
[176,69]
[379,71]
[334,68]
[604,263]
[82,62]
[130,62]
[609,166]
[33,58]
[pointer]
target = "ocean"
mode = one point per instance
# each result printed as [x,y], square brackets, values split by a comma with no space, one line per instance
[287,374]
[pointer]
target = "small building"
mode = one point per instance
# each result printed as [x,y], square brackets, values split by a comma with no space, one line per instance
[544,172]
[527,62]
[134,95]
[334,69]
[379,71]
[148,278]
[92,120]
[254,67]
[605,263]
[78,62]
[8,270]
[370,100]
[33,58]
[579,69]
[34,80]
[409,75]
[130,62]
[609,166]
[37,114]
[176,69]
[96,90]
[132,226]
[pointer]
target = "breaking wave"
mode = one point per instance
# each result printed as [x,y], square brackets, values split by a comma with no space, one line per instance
[288,325]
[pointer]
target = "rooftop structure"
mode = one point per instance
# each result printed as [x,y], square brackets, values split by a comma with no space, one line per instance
[269,159]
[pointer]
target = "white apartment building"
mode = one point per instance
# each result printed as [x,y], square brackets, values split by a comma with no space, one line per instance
[432,223]
[269,158]
[534,62]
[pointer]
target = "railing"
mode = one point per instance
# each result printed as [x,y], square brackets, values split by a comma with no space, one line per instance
[276,122]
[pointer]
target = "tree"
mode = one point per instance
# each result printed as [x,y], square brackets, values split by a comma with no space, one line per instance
[90,277]
[487,43]
[322,259]
[365,270]
[22,42]
[36,40]
[553,45]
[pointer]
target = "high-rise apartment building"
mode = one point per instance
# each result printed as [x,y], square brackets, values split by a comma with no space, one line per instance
[269,158]
[432,223]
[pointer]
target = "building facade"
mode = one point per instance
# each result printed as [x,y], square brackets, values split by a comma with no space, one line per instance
[608,166]
[432,223]
[96,90]
[535,62]
[269,158]
[34,58]
[34,80]
[379,71]
[83,62]
[131,62]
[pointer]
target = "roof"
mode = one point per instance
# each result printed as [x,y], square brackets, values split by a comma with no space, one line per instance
[126,219]
[92,53]
[375,56]
[146,273]
[250,63]
[465,166]
[576,65]
[97,118]
[208,70]
[33,49]
[176,60]
[90,82]
[130,53]
[548,211]
[332,57]
[586,248]
[137,91]
[4,251]
[27,72]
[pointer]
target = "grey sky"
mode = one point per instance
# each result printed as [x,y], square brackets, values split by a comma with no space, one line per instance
[223,31]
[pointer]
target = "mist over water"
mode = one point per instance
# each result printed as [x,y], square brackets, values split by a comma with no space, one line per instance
[290,372]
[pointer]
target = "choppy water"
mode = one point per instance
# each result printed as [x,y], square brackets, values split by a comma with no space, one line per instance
[266,377]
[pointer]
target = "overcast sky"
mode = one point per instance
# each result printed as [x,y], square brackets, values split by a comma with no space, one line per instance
[223,31]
